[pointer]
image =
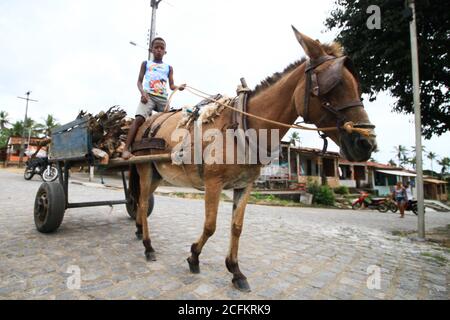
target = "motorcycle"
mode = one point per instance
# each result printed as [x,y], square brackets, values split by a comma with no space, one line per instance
[364,201]
[410,206]
[42,167]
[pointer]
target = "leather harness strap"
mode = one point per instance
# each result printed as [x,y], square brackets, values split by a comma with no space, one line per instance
[148,140]
[312,87]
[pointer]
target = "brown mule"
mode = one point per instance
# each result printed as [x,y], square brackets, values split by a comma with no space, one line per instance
[323,89]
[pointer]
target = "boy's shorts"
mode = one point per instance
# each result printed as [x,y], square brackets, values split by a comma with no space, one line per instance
[154,103]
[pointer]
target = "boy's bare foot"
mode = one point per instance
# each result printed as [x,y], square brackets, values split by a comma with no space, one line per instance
[126,155]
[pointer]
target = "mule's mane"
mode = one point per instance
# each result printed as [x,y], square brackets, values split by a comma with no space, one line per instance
[332,49]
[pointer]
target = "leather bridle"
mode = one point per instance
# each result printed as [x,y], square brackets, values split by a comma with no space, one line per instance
[313,88]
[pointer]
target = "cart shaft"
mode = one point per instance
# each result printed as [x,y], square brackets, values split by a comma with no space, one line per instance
[95,204]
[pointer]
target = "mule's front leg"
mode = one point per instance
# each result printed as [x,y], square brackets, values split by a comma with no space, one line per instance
[146,187]
[240,198]
[213,190]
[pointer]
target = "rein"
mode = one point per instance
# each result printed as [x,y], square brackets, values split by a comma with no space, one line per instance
[348,126]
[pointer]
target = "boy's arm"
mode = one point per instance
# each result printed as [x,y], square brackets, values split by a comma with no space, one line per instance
[144,95]
[172,84]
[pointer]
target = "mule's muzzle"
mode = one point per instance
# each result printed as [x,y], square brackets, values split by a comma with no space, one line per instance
[356,147]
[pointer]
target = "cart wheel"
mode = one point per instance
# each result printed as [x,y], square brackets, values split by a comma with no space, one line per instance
[49,207]
[132,206]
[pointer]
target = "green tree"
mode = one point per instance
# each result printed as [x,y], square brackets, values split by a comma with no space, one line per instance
[413,162]
[294,138]
[445,164]
[32,128]
[405,160]
[49,124]
[432,156]
[383,56]
[4,120]
[17,129]
[401,152]
[4,136]
[392,163]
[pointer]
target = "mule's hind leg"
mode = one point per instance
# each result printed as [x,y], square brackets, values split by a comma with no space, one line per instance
[154,180]
[213,190]
[240,198]
[148,182]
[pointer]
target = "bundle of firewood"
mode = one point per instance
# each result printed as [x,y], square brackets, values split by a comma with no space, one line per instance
[109,132]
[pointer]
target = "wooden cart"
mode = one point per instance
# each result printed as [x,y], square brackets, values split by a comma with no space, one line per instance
[71,147]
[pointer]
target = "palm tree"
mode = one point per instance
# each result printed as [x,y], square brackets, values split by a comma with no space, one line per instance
[412,161]
[49,124]
[405,161]
[413,149]
[401,152]
[445,163]
[294,138]
[392,163]
[4,120]
[32,128]
[17,129]
[432,156]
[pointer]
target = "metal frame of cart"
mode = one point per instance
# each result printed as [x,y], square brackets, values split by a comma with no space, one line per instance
[72,146]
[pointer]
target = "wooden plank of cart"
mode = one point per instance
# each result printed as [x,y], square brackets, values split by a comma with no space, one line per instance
[71,147]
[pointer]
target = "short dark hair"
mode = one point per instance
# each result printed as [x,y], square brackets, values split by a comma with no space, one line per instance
[156,39]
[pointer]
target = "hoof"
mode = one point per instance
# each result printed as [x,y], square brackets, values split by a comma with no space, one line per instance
[150,256]
[139,236]
[242,285]
[193,267]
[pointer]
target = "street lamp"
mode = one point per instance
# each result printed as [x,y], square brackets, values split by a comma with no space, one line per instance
[137,45]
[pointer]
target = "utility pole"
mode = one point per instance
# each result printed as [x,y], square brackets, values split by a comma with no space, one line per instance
[154,4]
[22,145]
[418,122]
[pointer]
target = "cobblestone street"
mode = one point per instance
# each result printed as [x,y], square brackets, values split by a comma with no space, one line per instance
[286,253]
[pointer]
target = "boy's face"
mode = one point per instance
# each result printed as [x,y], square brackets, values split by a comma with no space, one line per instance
[159,49]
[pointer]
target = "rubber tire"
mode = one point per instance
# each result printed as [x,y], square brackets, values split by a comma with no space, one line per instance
[393,207]
[132,207]
[49,207]
[383,207]
[28,177]
[356,206]
[54,177]
[414,209]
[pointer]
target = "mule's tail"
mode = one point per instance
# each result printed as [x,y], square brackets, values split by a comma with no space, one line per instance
[134,184]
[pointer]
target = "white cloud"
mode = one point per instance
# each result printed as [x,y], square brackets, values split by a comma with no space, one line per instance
[75,54]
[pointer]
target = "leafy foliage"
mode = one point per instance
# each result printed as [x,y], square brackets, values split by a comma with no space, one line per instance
[341,190]
[383,56]
[321,194]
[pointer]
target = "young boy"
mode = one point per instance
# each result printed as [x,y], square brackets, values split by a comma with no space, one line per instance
[152,81]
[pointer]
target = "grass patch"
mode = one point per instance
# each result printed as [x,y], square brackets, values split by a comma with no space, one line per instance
[255,198]
[402,233]
[435,257]
[269,199]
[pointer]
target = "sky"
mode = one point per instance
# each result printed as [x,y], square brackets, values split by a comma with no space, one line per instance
[75,55]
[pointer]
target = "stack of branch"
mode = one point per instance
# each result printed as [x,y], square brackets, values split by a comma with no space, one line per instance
[109,132]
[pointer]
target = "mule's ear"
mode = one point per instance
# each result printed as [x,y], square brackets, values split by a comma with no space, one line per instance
[312,48]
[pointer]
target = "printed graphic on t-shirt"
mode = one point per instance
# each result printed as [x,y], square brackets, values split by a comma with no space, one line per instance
[156,78]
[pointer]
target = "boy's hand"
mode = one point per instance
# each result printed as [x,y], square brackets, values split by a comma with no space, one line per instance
[182,87]
[144,98]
